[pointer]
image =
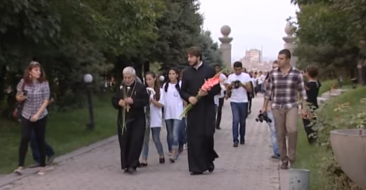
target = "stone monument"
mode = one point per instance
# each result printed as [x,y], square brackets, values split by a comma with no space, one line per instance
[290,41]
[225,46]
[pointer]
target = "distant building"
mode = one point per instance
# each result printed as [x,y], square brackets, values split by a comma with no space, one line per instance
[253,56]
[253,61]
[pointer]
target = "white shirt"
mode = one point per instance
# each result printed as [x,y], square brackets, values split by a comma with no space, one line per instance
[261,79]
[222,85]
[156,115]
[254,82]
[216,100]
[239,95]
[173,105]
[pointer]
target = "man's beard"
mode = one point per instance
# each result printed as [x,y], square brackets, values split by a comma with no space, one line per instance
[196,63]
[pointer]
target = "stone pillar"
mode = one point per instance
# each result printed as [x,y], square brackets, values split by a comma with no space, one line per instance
[225,46]
[290,41]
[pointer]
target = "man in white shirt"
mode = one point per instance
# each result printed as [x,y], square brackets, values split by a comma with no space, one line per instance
[261,79]
[238,84]
[219,99]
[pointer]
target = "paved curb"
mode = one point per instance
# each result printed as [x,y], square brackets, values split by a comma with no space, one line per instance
[11,178]
[284,179]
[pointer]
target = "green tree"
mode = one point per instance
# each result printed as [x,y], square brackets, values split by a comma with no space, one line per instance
[178,29]
[210,49]
[324,39]
[328,33]
[71,38]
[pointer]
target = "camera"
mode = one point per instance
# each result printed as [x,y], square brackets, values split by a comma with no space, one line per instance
[25,93]
[236,84]
[263,117]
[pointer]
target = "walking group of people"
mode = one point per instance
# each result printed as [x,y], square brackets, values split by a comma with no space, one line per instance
[142,109]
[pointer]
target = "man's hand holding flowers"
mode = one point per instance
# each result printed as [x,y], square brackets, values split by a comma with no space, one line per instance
[122,103]
[129,100]
[192,100]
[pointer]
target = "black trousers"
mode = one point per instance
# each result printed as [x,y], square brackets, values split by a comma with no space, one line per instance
[39,128]
[219,112]
[249,102]
[311,134]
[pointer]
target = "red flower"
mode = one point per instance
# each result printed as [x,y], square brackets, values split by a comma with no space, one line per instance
[206,87]
[211,83]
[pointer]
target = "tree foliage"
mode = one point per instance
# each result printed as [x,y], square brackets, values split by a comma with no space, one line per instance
[210,49]
[328,33]
[71,38]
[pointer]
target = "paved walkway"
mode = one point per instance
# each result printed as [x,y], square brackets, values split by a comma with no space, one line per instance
[247,167]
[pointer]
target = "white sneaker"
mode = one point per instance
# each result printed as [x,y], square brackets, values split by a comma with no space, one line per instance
[18,171]
[42,171]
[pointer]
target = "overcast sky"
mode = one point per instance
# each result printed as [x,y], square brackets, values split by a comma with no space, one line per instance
[254,23]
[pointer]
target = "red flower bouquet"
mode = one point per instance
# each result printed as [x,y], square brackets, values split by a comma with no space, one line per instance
[206,87]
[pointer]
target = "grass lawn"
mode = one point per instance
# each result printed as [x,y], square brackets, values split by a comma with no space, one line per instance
[307,157]
[66,131]
[328,84]
[310,156]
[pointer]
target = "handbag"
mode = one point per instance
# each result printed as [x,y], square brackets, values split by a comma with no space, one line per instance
[17,111]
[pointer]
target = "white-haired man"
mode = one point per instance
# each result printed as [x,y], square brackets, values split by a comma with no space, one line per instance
[130,100]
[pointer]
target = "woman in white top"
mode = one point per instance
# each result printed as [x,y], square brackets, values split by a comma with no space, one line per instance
[173,107]
[155,119]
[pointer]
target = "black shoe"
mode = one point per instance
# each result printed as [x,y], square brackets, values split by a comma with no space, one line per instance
[275,157]
[161,160]
[143,164]
[242,142]
[172,160]
[130,170]
[196,173]
[211,167]
[235,144]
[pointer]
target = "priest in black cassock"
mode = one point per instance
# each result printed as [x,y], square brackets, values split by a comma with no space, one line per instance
[201,118]
[130,99]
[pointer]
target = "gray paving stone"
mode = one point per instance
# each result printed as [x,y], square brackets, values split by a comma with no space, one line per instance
[247,167]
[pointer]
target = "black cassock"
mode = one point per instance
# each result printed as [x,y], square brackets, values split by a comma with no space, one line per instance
[131,139]
[200,119]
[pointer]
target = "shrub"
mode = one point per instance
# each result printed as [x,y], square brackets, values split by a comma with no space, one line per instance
[331,116]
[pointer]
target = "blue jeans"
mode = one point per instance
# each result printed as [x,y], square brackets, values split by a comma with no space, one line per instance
[272,128]
[240,112]
[155,133]
[183,134]
[173,128]
[35,151]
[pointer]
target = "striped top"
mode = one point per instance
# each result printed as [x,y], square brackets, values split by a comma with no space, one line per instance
[37,93]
